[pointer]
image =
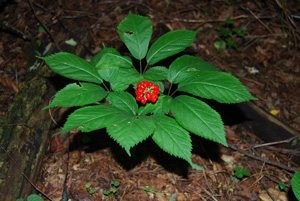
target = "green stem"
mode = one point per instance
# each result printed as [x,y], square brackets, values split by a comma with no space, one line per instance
[145,68]
[169,89]
[141,66]
[173,92]
[107,89]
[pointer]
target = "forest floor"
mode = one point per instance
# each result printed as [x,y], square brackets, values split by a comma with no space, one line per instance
[266,58]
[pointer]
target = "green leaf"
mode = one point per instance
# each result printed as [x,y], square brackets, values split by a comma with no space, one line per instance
[241,172]
[220,44]
[136,31]
[131,130]
[199,118]
[95,59]
[229,21]
[72,66]
[115,183]
[220,86]
[295,183]
[88,186]
[239,32]
[110,191]
[92,118]
[34,197]
[231,43]
[172,138]
[224,32]
[282,186]
[109,60]
[150,190]
[78,95]
[41,29]
[156,73]
[181,68]
[123,101]
[162,106]
[108,73]
[124,78]
[169,44]
[71,42]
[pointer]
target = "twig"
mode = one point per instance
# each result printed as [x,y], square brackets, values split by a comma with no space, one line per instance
[208,21]
[65,195]
[43,25]
[50,113]
[253,81]
[256,181]
[274,180]
[292,26]
[284,151]
[275,143]
[290,18]
[73,35]
[266,35]
[123,194]
[211,195]
[269,194]
[269,162]
[24,175]
[258,19]
[6,27]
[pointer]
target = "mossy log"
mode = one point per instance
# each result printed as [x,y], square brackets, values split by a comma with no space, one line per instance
[24,136]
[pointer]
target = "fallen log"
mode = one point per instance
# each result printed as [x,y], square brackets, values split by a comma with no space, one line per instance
[24,136]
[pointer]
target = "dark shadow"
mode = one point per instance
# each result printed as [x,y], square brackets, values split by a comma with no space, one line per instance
[94,141]
[263,127]
[231,114]
[149,149]
[59,82]
[206,149]
[91,142]
[4,3]
[169,162]
[290,195]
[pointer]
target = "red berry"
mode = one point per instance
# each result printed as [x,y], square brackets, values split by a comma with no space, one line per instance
[140,86]
[144,83]
[143,101]
[140,90]
[139,98]
[155,91]
[153,98]
[147,95]
[146,90]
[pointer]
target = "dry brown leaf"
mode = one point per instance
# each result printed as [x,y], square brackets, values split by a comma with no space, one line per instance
[9,83]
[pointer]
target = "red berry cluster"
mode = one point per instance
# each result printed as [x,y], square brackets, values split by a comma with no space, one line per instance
[146,91]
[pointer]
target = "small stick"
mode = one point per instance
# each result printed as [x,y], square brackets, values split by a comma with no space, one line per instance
[208,21]
[269,162]
[211,195]
[43,25]
[6,27]
[65,186]
[275,143]
[269,194]
[258,19]
[25,176]
[284,151]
